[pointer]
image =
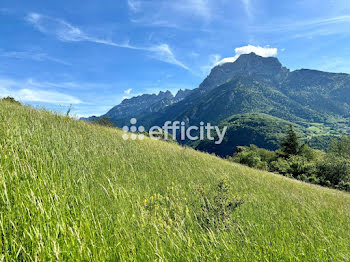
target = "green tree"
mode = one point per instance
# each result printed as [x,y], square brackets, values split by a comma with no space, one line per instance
[340,148]
[290,143]
[334,170]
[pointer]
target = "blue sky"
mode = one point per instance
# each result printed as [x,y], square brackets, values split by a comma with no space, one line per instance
[92,54]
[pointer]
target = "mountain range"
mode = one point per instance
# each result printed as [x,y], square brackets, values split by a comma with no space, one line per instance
[252,88]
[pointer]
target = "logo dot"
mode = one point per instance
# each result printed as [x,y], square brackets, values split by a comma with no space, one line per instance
[141,129]
[141,137]
[125,128]
[133,129]
[125,136]
[133,137]
[133,121]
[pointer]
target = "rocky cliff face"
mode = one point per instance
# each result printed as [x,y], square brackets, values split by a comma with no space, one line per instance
[250,64]
[140,104]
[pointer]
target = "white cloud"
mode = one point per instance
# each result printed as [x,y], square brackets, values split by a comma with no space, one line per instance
[164,53]
[128,91]
[66,32]
[40,57]
[53,26]
[308,28]
[260,51]
[134,5]
[26,92]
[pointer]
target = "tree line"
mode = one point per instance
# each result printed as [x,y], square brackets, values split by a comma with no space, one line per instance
[299,161]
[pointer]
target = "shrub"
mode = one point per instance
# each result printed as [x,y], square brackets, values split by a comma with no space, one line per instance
[341,148]
[253,157]
[344,186]
[11,100]
[217,207]
[311,154]
[280,166]
[306,164]
[103,121]
[299,165]
[335,170]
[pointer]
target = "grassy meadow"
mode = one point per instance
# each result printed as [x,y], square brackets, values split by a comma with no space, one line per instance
[73,191]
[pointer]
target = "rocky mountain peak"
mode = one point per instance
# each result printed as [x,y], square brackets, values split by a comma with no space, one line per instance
[247,64]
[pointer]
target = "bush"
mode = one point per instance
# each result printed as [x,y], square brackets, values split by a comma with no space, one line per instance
[306,164]
[340,148]
[103,121]
[309,179]
[11,100]
[280,166]
[334,171]
[344,186]
[253,157]
[217,207]
[311,154]
[250,159]
[299,165]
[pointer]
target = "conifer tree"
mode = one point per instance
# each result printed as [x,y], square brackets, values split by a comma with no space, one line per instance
[290,143]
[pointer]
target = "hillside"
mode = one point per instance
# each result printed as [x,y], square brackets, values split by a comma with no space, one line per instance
[245,129]
[254,84]
[70,190]
[264,131]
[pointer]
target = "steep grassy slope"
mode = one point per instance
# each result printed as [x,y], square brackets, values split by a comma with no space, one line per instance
[71,190]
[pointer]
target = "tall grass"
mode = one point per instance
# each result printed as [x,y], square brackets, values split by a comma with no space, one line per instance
[74,191]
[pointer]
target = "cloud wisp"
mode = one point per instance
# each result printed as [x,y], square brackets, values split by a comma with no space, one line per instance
[128,91]
[66,32]
[247,8]
[261,51]
[322,26]
[213,60]
[198,8]
[134,5]
[25,91]
[40,57]
[181,15]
